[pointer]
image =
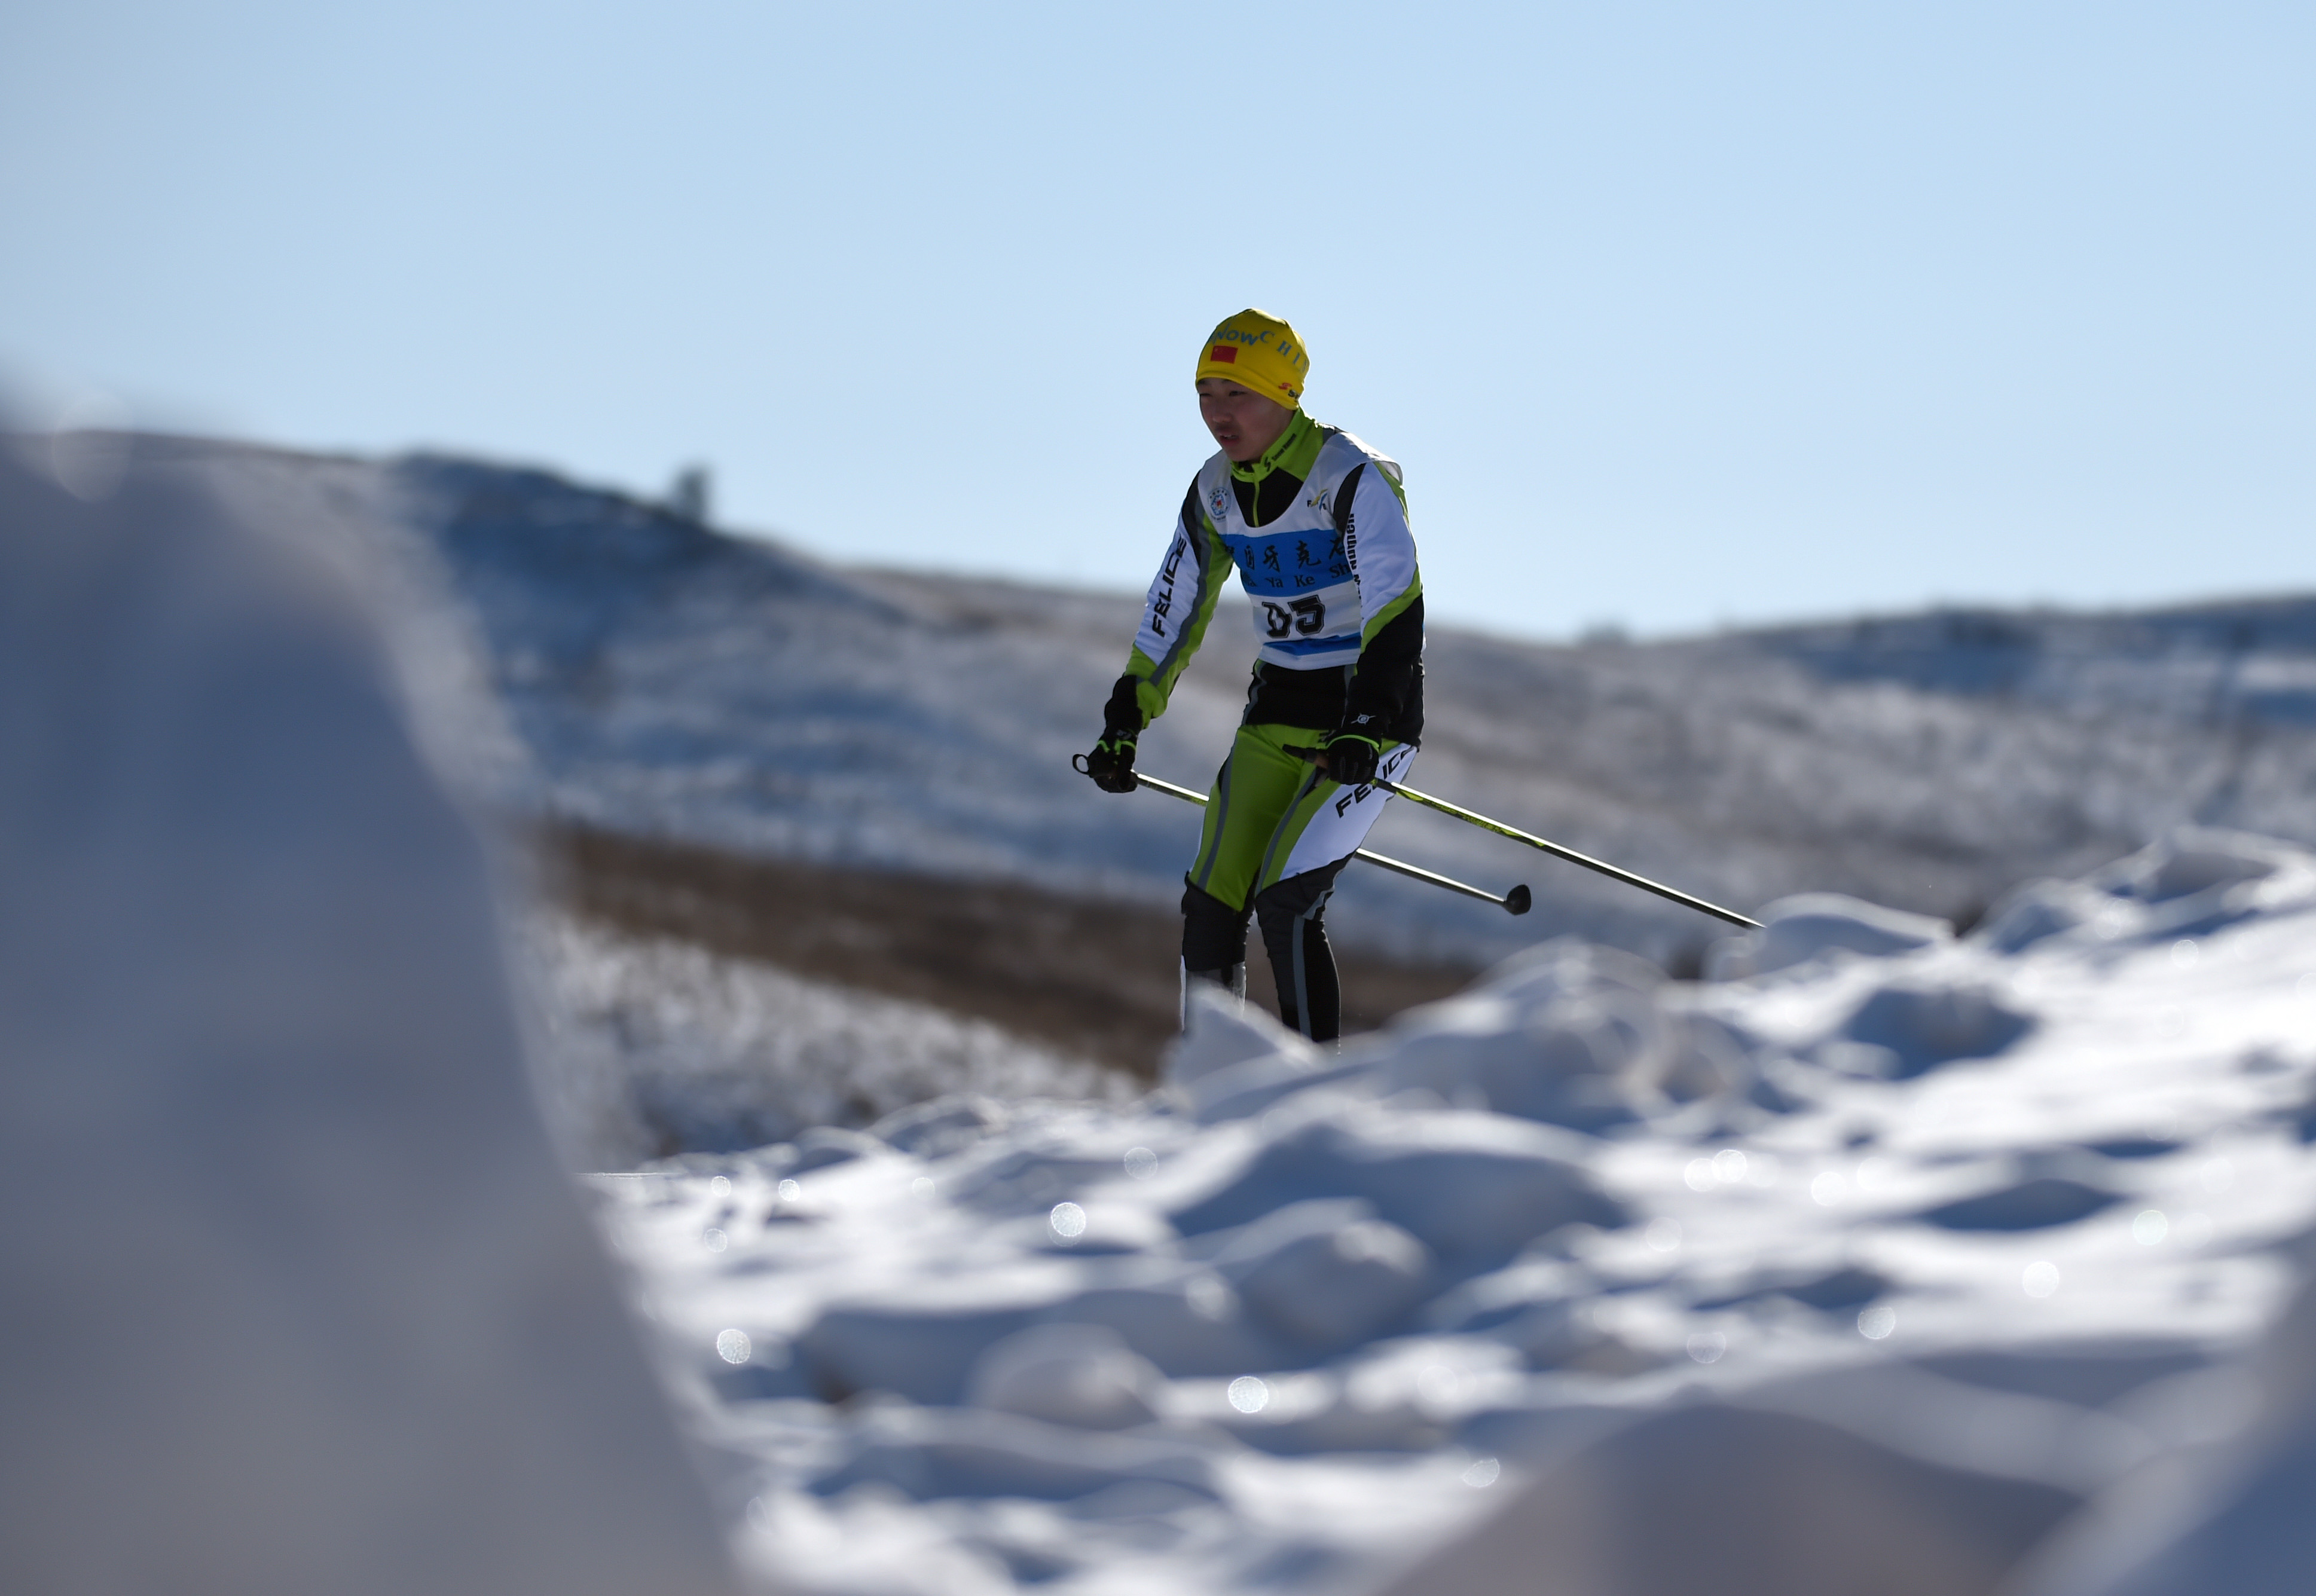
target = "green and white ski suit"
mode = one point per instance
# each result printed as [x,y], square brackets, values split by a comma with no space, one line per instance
[1317,529]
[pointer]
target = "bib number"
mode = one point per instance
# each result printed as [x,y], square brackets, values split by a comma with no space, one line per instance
[1304,616]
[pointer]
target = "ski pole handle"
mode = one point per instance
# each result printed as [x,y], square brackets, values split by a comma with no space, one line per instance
[1084,767]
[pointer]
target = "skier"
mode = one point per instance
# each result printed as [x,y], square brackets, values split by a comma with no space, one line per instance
[1316,523]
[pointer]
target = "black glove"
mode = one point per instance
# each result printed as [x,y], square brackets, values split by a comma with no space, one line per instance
[1111,762]
[1111,765]
[1352,758]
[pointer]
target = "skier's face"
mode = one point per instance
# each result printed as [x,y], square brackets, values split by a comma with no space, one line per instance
[1243,421]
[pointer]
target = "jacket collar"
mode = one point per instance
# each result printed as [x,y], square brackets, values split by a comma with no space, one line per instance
[1283,455]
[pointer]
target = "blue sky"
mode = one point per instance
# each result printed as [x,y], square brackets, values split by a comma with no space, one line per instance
[1677,315]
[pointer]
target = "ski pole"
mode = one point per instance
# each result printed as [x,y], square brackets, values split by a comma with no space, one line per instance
[1310,755]
[1515,902]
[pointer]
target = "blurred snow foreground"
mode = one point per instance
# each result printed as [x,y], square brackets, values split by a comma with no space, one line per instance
[295,1297]
[1905,1263]
[1888,1261]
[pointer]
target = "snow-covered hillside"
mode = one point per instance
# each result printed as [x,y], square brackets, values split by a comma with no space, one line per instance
[652,675]
[1979,1227]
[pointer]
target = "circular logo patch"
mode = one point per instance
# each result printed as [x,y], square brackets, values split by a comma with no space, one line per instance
[1217,503]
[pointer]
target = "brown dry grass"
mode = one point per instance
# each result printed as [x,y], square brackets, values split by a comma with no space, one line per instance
[1096,977]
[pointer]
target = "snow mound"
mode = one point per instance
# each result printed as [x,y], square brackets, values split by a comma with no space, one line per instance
[2194,882]
[1814,924]
[282,1239]
[1941,1232]
[1232,1060]
[1083,1376]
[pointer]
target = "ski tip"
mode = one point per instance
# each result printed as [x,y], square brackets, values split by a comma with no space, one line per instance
[1517,900]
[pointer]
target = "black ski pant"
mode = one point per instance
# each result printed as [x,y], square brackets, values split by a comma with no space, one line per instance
[1292,914]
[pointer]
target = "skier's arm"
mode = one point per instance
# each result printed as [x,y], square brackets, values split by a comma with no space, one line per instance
[1382,551]
[1174,615]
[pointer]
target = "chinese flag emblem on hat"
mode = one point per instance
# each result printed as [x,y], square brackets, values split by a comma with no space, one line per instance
[1259,352]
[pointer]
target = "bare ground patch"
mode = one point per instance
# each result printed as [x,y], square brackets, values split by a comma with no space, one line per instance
[1097,979]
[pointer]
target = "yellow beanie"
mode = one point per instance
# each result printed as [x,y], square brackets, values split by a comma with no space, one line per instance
[1260,353]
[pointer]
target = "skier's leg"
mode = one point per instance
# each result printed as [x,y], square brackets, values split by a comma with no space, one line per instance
[1214,945]
[1253,789]
[1295,935]
[1314,840]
